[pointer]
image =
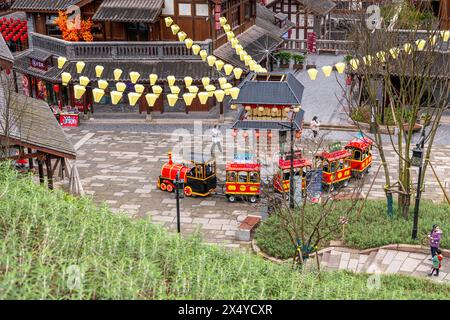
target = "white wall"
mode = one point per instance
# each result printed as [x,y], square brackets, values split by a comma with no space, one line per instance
[168,7]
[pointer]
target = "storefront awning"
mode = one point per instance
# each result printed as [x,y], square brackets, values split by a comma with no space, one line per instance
[129,11]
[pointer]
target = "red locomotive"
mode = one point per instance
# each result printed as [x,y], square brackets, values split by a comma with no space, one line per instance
[281,180]
[361,156]
[199,176]
[243,181]
[335,167]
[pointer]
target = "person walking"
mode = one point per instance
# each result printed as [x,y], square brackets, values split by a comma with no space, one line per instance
[215,134]
[437,263]
[435,239]
[314,125]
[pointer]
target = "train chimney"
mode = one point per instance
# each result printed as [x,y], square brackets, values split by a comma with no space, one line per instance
[170,158]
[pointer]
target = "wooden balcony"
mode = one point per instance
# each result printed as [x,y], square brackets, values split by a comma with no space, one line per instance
[323,46]
[150,50]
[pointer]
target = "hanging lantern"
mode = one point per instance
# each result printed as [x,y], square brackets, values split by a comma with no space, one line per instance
[248,108]
[261,109]
[99,71]
[175,89]
[117,74]
[134,76]
[219,64]
[210,89]
[420,44]
[220,95]
[151,98]
[171,80]
[188,42]
[61,62]
[98,94]
[203,54]
[234,92]
[238,49]
[79,91]
[205,81]
[245,134]
[56,88]
[247,59]
[181,36]
[203,97]
[226,27]
[445,35]
[211,60]
[102,84]
[153,78]
[133,98]
[230,35]
[172,99]
[188,81]
[115,97]
[394,52]
[408,48]
[168,21]
[222,81]
[84,81]
[175,28]
[237,73]
[262,70]
[139,88]
[257,134]
[417,155]
[228,68]
[354,63]
[381,55]
[120,86]
[233,106]
[234,42]
[269,134]
[312,73]
[340,67]
[433,40]
[223,21]
[157,90]
[367,60]
[252,65]
[196,49]
[80,66]
[192,89]
[298,134]
[65,76]
[188,98]
[226,87]
[297,108]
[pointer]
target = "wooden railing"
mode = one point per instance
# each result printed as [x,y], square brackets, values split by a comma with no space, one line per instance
[334,46]
[151,50]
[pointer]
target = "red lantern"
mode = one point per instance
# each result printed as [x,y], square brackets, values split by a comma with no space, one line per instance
[234,133]
[298,134]
[8,71]
[245,134]
[257,134]
[56,88]
[269,134]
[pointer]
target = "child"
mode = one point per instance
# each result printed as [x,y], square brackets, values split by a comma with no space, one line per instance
[437,259]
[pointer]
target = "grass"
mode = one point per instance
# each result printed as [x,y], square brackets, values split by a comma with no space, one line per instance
[55,246]
[372,229]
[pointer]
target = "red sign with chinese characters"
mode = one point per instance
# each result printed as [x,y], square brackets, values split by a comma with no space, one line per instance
[312,42]
[68,120]
[38,64]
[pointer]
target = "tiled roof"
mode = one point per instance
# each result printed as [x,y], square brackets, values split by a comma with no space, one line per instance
[5,53]
[321,7]
[129,10]
[36,126]
[42,5]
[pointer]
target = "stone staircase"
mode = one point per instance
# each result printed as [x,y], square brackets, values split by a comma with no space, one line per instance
[379,261]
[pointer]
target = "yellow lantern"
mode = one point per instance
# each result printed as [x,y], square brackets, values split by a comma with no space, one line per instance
[237,73]
[134,76]
[115,97]
[133,98]
[151,98]
[157,90]
[260,109]
[340,67]
[175,28]
[226,27]
[99,71]
[234,42]
[80,66]
[117,74]
[238,49]
[171,80]
[327,70]
[175,89]
[172,99]
[61,62]
[98,94]
[367,60]
[210,89]
[394,52]
[188,98]
[196,49]
[407,48]
[354,63]
[84,81]
[188,81]
[234,93]
[312,73]
[226,87]
[211,60]
[203,54]
[420,44]
[230,35]
[102,84]
[79,91]
[223,21]
[153,78]
[120,86]
[168,21]
[297,108]
[222,81]
[445,35]
[248,108]
[233,106]
[381,55]
[203,97]
[252,65]
[219,64]
[220,95]
[181,36]
[263,70]
[193,89]
[139,88]
[65,77]
[242,55]
[433,40]
[205,81]
[228,68]
[188,42]
[247,59]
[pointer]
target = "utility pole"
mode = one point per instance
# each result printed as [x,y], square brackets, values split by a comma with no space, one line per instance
[418,158]
[177,193]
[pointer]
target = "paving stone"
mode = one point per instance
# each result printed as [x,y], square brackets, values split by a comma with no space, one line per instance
[410,265]
[401,255]
[419,256]
[390,255]
[394,267]
[353,264]
[208,203]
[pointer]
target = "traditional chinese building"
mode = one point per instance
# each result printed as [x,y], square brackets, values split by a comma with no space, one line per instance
[131,35]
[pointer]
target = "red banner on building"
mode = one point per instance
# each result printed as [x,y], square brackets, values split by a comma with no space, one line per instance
[312,42]
[68,120]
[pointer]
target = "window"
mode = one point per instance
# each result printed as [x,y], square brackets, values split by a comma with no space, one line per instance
[201,10]
[137,31]
[242,176]
[235,17]
[231,176]
[254,177]
[209,169]
[52,28]
[357,155]
[199,172]
[248,10]
[184,9]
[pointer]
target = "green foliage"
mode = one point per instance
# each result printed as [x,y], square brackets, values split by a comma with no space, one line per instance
[298,58]
[42,233]
[283,56]
[410,16]
[363,114]
[372,229]
[347,58]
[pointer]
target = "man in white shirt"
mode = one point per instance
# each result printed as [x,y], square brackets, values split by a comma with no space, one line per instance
[314,125]
[215,134]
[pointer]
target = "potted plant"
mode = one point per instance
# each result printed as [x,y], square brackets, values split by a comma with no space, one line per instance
[284,58]
[298,61]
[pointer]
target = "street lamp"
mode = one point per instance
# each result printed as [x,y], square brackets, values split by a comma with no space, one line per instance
[417,161]
[179,184]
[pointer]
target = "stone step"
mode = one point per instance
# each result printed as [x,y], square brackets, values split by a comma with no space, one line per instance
[369,261]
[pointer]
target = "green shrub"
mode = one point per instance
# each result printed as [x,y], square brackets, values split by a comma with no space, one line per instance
[283,56]
[298,58]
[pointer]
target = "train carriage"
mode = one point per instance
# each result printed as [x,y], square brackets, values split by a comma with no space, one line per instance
[199,176]
[243,180]
[361,156]
[281,179]
[335,167]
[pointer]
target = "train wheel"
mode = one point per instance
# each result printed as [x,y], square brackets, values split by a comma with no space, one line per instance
[163,186]
[232,198]
[158,185]
[187,191]
[253,199]
[169,188]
